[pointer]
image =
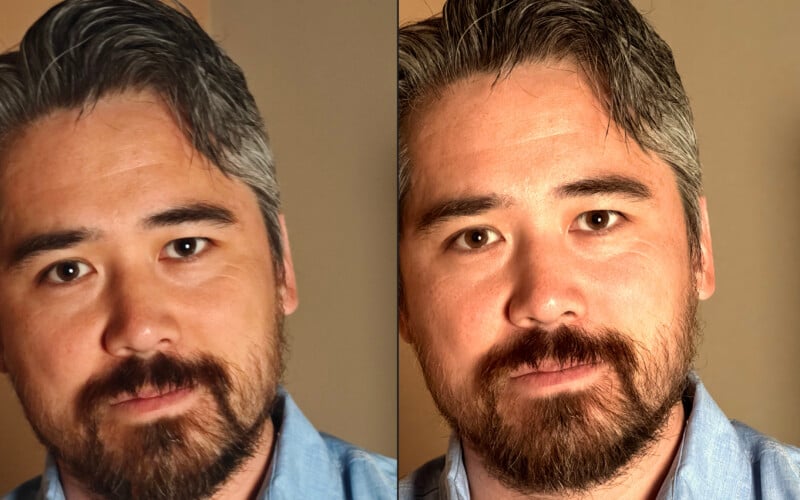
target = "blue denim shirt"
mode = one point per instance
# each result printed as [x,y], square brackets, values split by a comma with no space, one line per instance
[306,464]
[717,459]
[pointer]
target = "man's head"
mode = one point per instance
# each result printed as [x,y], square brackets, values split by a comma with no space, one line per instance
[553,239]
[145,261]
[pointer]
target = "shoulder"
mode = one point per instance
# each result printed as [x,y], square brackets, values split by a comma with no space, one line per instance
[362,469]
[723,458]
[423,483]
[773,461]
[25,491]
[308,463]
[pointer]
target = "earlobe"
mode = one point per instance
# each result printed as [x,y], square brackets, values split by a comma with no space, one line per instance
[288,288]
[704,274]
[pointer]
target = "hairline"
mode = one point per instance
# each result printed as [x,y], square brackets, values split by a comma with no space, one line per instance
[421,104]
[9,140]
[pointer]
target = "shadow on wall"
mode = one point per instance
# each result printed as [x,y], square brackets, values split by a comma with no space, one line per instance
[20,446]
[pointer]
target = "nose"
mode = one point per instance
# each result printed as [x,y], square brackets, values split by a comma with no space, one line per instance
[547,289]
[140,322]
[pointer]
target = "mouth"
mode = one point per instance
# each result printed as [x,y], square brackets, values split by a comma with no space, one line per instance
[551,376]
[151,402]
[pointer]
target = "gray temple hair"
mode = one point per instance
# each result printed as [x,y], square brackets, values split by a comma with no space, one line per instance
[80,51]
[628,66]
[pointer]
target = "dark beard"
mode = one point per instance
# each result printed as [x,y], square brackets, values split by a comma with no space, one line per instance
[569,442]
[158,460]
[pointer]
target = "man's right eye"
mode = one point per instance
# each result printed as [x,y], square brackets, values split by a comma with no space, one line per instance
[475,238]
[66,271]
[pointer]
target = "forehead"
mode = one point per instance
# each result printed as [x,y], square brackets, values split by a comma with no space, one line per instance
[107,165]
[538,126]
[70,146]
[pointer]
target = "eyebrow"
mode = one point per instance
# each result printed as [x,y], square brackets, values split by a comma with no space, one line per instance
[475,205]
[606,184]
[56,240]
[459,207]
[194,212]
[60,240]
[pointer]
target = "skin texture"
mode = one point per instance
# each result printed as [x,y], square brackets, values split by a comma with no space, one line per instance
[106,170]
[540,263]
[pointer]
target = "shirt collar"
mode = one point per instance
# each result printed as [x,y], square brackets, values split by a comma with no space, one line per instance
[50,487]
[301,463]
[455,482]
[710,460]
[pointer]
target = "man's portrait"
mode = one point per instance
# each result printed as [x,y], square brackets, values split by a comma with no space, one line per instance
[156,244]
[564,167]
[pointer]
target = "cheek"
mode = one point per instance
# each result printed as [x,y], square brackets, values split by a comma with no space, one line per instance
[454,318]
[230,314]
[49,370]
[46,338]
[644,286]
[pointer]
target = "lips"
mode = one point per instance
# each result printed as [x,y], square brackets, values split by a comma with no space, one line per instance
[146,394]
[550,377]
[149,400]
[550,366]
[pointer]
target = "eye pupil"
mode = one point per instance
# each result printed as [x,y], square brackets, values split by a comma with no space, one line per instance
[476,238]
[67,271]
[598,219]
[186,246]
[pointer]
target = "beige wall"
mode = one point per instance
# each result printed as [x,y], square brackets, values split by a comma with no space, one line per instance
[323,74]
[741,68]
[324,79]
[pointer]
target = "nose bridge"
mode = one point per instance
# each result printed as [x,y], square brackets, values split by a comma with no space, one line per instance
[139,322]
[547,290]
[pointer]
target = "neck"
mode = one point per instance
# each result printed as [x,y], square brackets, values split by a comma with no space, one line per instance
[242,484]
[641,479]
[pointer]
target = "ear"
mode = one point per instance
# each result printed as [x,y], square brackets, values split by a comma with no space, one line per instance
[288,289]
[704,275]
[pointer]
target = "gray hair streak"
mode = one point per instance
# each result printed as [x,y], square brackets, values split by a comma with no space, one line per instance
[629,67]
[82,50]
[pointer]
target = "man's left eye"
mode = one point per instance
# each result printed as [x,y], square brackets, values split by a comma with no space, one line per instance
[597,220]
[184,248]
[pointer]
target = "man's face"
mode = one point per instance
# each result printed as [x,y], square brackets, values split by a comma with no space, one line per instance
[140,311]
[547,284]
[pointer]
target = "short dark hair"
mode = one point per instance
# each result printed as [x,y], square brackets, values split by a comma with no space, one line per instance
[630,68]
[82,50]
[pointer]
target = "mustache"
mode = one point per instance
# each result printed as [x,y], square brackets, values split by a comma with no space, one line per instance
[565,345]
[161,372]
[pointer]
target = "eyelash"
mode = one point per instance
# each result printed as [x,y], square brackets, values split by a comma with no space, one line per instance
[615,218]
[82,268]
[85,268]
[203,245]
[494,237]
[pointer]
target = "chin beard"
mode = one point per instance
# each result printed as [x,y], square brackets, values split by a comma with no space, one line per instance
[188,456]
[185,457]
[569,442]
